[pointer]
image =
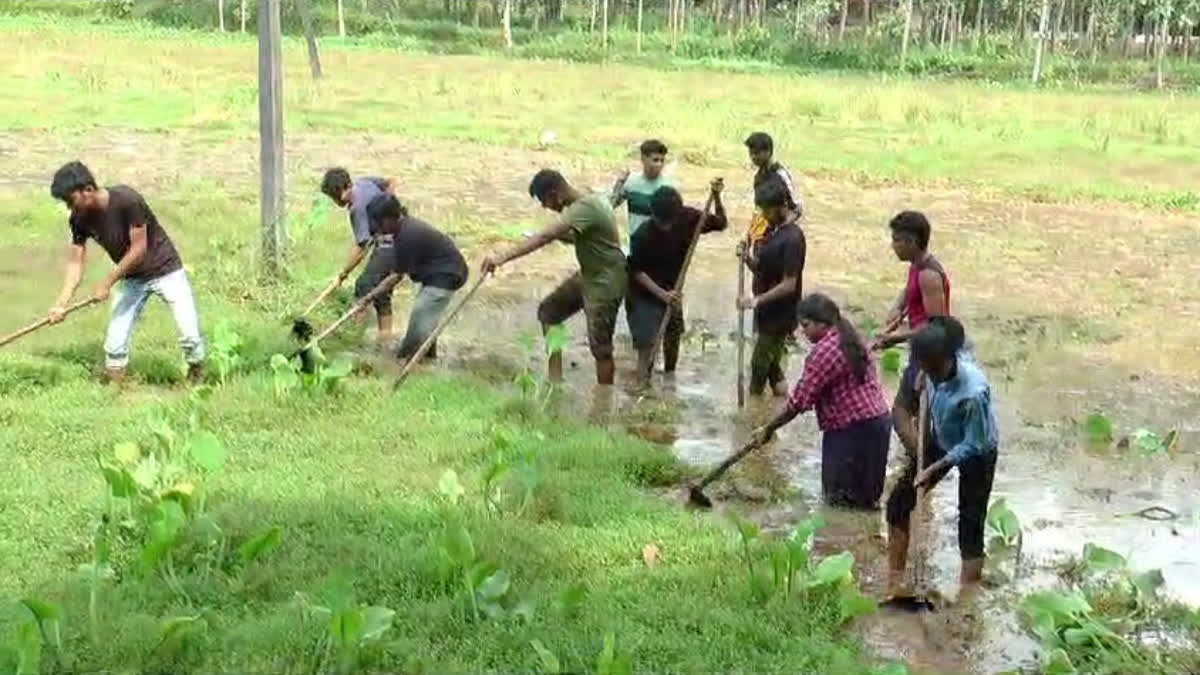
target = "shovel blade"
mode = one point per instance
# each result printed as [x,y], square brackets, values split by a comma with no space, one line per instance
[912,604]
[696,497]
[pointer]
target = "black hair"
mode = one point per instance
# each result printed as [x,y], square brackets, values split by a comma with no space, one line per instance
[335,182]
[70,177]
[771,193]
[760,141]
[653,147]
[914,224]
[665,202]
[820,308]
[385,207]
[544,181]
[941,336]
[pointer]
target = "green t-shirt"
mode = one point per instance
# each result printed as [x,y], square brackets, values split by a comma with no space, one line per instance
[597,248]
[637,192]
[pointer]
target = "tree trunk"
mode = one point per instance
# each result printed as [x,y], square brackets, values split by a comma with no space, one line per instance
[221,14]
[1023,24]
[1057,27]
[796,26]
[866,17]
[1043,26]
[243,15]
[604,24]
[595,12]
[341,19]
[506,18]
[908,17]
[1163,35]
[639,27]
[842,21]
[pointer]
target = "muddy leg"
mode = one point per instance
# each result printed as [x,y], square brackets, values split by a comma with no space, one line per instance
[562,303]
[671,340]
[554,364]
[897,560]
[606,370]
[645,365]
[114,376]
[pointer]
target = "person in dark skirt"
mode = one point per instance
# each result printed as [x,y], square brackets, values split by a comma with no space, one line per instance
[841,383]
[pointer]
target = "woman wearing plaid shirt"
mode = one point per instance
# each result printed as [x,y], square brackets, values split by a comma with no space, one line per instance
[840,382]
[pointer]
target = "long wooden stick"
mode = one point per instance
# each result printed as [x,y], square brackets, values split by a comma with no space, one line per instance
[914,528]
[741,328]
[333,285]
[46,321]
[428,343]
[687,262]
[388,281]
[729,461]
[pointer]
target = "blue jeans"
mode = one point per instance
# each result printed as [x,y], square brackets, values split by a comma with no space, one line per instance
[129,300]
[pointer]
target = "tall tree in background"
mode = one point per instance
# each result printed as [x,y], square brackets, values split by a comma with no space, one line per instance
[1043,25]
[243,10]
[507,19]
[221,14]
[908,17]
[842,20]
[1164,22]
[603,24]
[639,27]
[341,19]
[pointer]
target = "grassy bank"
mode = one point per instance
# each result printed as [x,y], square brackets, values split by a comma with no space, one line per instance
[1034,144]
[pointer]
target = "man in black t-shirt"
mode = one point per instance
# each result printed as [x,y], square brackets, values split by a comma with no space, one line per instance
[121,222]
[778,267]
[656,254]
[425,255]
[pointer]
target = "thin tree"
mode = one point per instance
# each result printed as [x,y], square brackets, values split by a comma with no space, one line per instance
[341,19]
[908,17]
[867,16]
[1164,21]
[221,14]
[978,23]
[243,10]
[314,54]
[639,28]
[842,21]
[1043,26]
[603,23]
[507,19]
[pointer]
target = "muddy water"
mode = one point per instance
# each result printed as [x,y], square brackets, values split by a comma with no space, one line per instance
[1065,493]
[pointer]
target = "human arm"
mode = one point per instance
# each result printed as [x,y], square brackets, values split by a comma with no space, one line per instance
[556,230]
[668,297]
[933,297]
[716,221]
[355,257]
[793,266]
[132,258]
[979,436]
[618,189]
[72,275]
[820,368]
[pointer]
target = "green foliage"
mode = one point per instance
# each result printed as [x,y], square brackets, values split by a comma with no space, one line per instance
[1098,428]
[326,377]
[610,661]
[350,628]
[225,351]
[890,361]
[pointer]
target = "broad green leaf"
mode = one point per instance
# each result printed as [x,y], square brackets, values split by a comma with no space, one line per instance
[1058,663]
[1043,624]
[42,611]
[853,604]
[376,622]
[177,626]
[457,544]
[779,565]
[495,586]
[449,486]
[833,569]
[480,571]
[120,482]
[280,362]
[147,472]
[29,649]
[1099,559]
[338,368]
[1149,582]
[1077,637]
[549,662]
[127,453]
[890,360]
[572,598]
[260,545]
[1002,520]
[207,451]
[604,662]
[746,528]
[1146,440]
[495,473]
[1099,428]
[1059,606]
[346,627]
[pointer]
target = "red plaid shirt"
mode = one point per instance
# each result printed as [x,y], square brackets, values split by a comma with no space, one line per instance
[829,385]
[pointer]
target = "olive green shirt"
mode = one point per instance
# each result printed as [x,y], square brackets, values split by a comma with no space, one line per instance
[597,248]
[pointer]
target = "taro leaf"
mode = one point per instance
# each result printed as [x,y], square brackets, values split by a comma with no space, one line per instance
[610,662]
[279,362]
[495,473]
[798,550]
[120,482]
[1100,560]
[746,528]
[182,493]
[480,571]
[207,451]
[147,472]
[1149,582]
[376,622]
[1061,607]
[1043,625]
[163,533]
[890,361]
[1099,428]
[127,453]
[833,570]
[48,616]
[163,432]
[456,543]
[853,604]
[449,486]
[338,368]
[572,598]
[1147,441]
[29,649]
[1077,637]
[346,626]
[557,339]
[260,545]
[779,565]
[1002,520]
[495,585]
[1058,663]
[549,662]
[178,626]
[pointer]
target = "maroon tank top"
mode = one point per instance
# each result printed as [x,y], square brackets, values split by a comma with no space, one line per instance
[914,305]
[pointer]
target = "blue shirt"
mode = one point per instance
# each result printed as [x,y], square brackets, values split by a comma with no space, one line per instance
[961,412]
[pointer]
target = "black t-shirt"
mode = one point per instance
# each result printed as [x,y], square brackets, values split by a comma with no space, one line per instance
[660,253]
[110,228]
[781,255]
[427,256]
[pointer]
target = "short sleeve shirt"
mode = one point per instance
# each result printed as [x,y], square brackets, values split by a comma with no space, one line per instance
[637,193]
[110,229]
[781,255]
[597,248]
[427,256]
[361,194]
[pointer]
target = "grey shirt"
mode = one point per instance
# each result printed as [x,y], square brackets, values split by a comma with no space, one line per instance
[361,194]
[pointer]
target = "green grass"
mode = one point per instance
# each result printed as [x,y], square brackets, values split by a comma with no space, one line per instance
[1043,145]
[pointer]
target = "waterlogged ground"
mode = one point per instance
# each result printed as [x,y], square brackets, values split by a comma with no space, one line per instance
[1074,310]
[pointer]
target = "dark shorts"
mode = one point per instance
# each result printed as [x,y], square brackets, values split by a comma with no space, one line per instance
[378,266]
[975,478]
[766,362]
[645,317]
[567,300]
[854,463]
